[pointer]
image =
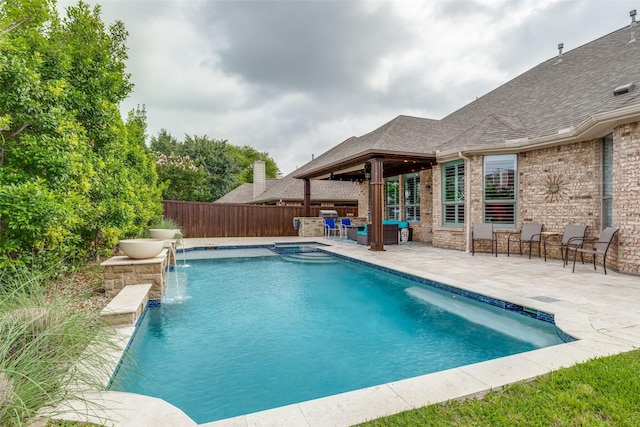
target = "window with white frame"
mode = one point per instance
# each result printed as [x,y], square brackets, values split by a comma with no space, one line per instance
[393,197]
[412,197]
[500,189]
[453,193]
[607,181]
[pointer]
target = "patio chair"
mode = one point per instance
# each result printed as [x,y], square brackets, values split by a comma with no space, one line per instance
[599,246]
[484,233]
[530,234]
[572,236]
[344,226]
[363,234]
[331,228]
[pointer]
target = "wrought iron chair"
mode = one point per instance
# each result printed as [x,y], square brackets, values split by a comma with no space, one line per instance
[530,234]
[572,236]
[599,246]
[484,232]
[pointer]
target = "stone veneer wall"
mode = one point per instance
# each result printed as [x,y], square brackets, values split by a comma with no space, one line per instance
[311,227]
[121,271]
[314,226]
[363,200]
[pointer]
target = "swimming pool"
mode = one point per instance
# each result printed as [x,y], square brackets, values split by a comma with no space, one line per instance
[351,325]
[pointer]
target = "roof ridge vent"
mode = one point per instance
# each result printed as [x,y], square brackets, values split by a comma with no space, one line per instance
[621,90]
[632,14]
[560,47]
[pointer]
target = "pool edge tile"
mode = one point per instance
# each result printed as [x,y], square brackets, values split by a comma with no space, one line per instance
[439,387]
[347,409]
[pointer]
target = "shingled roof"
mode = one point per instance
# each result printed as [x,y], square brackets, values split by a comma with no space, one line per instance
[244,193]
[402,138]
[289,189]
[568,98]
[570,95]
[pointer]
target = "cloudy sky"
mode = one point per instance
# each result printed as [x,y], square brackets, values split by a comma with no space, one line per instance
[295,78]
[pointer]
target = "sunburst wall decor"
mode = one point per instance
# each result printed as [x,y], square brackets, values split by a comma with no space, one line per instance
[555,185]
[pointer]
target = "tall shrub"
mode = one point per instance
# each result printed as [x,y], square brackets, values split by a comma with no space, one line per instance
[73,176]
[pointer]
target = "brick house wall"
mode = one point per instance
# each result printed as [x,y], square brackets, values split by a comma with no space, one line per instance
[626,196]
[576,169]
[423,231]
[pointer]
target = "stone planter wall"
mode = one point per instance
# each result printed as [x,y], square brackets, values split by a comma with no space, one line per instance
[121,271]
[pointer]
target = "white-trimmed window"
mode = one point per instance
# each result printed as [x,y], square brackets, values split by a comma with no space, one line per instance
[453,193]
[500,189]
[412,197]
[393,197]
[607,181]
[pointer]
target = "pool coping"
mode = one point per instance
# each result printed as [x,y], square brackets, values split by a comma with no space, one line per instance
[357,406]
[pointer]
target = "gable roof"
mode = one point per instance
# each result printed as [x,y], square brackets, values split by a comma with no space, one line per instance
[402,137]
[289,189]
[556,99]
[562,100]
[243,193]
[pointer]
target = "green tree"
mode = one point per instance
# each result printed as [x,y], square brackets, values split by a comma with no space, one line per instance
[165,143]
[183,179]
[215,158]
[45,169]
[226,166]
[246,156]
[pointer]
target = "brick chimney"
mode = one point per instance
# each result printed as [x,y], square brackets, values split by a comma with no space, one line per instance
[259,177]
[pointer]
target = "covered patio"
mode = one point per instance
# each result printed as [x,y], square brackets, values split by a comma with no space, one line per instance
[394,149]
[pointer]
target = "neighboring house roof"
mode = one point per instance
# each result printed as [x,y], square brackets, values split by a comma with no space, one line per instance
[243,193]
[568,98]
[289,189]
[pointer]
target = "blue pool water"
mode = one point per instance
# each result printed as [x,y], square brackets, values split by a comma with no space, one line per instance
[243,334]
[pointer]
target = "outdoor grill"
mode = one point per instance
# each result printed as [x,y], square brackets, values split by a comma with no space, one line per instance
[328,214]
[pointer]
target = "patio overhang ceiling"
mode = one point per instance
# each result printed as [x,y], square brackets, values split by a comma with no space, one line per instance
[356,168]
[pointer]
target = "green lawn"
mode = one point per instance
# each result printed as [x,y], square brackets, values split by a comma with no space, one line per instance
[601,392]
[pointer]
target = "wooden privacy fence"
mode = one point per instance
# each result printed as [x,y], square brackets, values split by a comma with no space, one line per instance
[199,219]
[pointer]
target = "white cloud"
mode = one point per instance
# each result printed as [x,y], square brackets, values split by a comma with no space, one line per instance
[295,78]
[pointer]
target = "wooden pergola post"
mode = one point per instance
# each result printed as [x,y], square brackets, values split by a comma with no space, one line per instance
[377,201]
[307,197]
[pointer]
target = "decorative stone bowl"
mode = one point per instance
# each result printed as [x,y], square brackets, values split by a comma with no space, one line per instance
[141,248]
[163,233]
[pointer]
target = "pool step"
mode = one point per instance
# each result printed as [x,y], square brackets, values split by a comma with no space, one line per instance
[310,257]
